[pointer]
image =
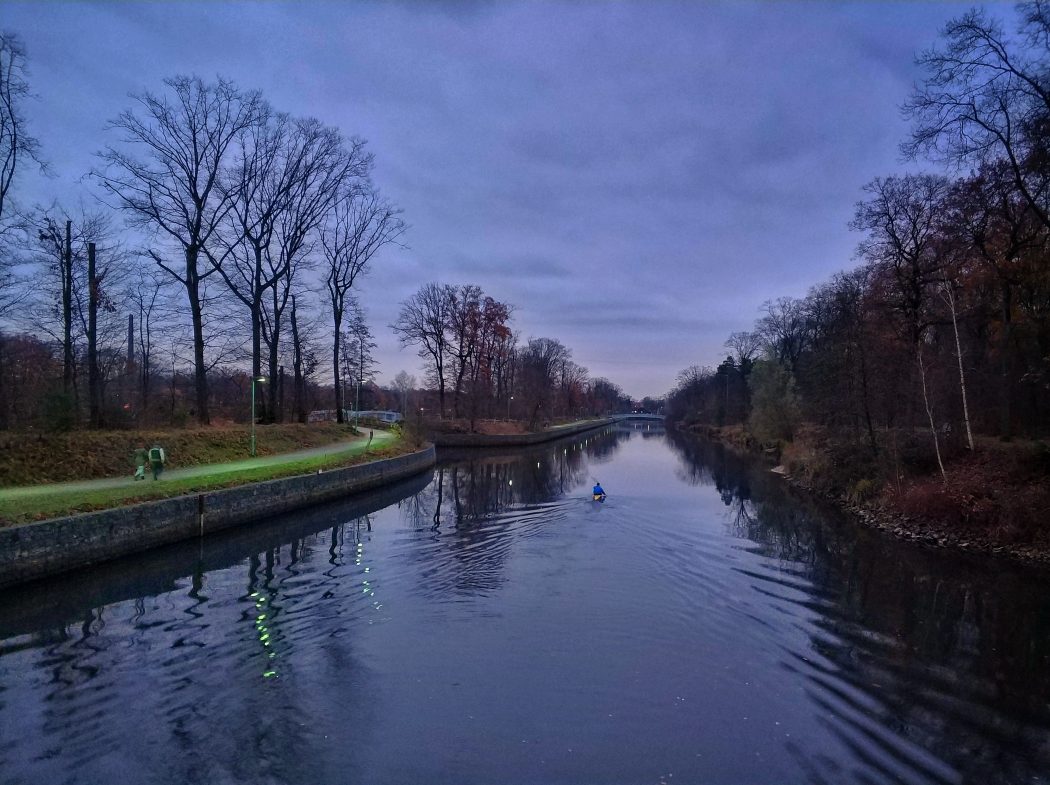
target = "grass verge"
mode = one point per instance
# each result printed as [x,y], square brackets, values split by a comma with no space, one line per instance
[62,503]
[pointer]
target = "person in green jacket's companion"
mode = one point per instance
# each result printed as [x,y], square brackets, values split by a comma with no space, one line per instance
[139,457]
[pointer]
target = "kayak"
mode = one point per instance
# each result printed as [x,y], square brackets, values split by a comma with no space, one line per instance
[599,497]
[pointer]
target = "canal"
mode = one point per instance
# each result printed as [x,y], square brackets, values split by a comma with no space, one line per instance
[490,623]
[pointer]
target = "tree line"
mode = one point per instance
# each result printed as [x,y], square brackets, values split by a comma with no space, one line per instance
[944,326]
[479,368]
[224,250]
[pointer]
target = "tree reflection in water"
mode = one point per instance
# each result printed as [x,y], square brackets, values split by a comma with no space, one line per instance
[478,495]
[475,486]
[947,650]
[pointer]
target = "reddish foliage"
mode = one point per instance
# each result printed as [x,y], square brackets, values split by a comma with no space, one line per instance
[1000,491]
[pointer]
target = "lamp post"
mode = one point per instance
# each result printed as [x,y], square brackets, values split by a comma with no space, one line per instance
[508,406]
[255,380]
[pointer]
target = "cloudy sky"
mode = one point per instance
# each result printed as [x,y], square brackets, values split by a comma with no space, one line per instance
[636,178]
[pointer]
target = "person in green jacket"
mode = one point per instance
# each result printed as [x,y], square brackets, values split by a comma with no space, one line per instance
[156,460]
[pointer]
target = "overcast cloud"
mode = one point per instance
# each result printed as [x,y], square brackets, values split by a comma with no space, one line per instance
[635,178]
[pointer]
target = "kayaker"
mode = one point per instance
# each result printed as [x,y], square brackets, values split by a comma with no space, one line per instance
[599,491]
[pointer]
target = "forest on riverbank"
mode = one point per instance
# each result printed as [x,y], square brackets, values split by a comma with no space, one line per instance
[919,380]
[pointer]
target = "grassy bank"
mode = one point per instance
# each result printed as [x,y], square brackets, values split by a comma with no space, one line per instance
[16,508]
[93,469]
[34,458]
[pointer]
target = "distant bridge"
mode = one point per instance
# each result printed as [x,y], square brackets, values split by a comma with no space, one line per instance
[637,416]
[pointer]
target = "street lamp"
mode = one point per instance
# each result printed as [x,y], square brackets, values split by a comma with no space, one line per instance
[508,406]
[255,380]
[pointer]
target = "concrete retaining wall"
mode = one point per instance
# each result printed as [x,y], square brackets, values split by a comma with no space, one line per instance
[513,439]
[33,550]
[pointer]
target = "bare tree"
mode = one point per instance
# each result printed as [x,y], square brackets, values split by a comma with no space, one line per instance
[903,246]
[423,322]
[404,382]
[304,355]
[986,98]
[745,345]
[359,225]
[464,325]
[541,361]
[358,361]
[287,176]
[149,299]
[321,165]
[785,330]
[57,244]
[1001,231]
[16,145]
[174,189]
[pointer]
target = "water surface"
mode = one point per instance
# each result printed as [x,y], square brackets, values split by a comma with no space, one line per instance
[490,623]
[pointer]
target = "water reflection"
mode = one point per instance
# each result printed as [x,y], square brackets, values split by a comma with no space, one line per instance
[490,623]
[138,655]
[951,652]
[474,486]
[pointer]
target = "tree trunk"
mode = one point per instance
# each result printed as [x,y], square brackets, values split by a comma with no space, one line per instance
[1005,392]
[200,371]
[271,389]
[949,295]
[929,413]
[67,310]
[3,388]
[94,380]
[262,404]
[338,321]
[866,398]
[297,369]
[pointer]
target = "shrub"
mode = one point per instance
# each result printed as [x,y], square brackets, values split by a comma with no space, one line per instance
[933,501]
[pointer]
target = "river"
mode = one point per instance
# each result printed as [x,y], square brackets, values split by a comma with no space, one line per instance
[490,623]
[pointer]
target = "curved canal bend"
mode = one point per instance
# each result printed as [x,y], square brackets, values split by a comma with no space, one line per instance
[490,623]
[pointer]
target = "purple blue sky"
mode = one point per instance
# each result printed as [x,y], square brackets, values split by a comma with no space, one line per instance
[636,178]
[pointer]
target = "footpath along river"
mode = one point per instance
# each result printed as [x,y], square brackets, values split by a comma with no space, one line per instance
[489,623]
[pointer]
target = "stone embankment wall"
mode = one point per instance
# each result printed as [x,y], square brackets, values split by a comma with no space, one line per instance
[515,439]
[34,550]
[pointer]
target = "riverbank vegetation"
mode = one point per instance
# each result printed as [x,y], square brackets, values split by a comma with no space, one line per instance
[919,381]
